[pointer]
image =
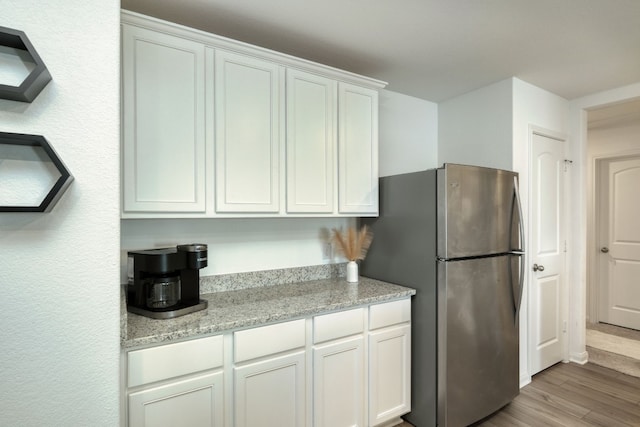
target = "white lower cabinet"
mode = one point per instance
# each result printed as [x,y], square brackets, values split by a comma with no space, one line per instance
[389,361]
[338,369]
[350,368]
[177,384]
[269,375]
[271,392]
[338,388]
[193,402]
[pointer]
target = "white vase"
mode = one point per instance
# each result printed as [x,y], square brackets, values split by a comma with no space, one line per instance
[352,271]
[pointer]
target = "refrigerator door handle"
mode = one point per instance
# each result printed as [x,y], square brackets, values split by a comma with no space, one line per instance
[519,205]
[523,247]
[518,300]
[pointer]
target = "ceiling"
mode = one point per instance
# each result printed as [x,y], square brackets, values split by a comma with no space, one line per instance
[436,49]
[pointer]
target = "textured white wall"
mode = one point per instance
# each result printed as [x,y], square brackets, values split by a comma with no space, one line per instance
[408,134]
[59,271]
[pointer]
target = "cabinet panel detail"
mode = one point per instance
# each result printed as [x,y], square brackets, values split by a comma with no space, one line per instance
[389,373]
[196,402]
[173,360]
[389,313]
[357,149]
[338,383]
[337,325]
[163,122]
[270,339]
[247,110]
[311,135]
[271,393]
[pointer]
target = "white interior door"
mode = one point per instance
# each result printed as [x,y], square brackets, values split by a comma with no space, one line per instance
[619,242]
[546,274]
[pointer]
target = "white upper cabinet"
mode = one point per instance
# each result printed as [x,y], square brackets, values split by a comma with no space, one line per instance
[213,127]
[247,111]
[311,136]
[358,150]
[163,122]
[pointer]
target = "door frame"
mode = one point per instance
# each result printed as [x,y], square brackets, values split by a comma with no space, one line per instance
[593,232]
[577,265]
[564,294]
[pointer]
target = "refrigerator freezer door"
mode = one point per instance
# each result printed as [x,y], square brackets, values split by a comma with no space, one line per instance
[478,356]
[477,212]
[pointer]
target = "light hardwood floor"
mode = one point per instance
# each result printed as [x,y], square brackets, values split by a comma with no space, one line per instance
[568,394]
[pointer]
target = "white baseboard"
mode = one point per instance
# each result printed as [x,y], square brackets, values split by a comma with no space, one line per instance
[579,358]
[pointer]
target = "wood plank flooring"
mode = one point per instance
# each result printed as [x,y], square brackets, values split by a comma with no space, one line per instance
[567,395]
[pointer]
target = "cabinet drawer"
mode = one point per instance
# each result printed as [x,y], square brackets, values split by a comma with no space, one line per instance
[173,360]
[389,313]
[265,340]
[337,325]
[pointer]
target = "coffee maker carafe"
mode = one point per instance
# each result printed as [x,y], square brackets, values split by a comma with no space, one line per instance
[165,283]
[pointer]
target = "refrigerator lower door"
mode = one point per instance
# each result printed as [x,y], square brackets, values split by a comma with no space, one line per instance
[478,353]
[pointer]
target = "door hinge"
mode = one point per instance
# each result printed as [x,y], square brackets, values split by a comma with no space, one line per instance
[564,326]
[567,163]
[565,246]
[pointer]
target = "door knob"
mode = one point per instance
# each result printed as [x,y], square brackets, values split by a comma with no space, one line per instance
[604,249]
[537,267]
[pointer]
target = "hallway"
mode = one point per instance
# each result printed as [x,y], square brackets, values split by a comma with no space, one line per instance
[614,347]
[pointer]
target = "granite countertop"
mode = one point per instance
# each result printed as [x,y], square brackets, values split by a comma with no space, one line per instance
[257,306]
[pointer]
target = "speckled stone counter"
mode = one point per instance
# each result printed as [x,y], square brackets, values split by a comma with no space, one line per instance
[242,308]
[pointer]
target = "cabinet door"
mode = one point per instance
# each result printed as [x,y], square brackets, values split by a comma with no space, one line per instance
[163,122]
[248,100]
[389,373]
[195,402]
[271,393]
[338,388]
[311,135]
[357,150]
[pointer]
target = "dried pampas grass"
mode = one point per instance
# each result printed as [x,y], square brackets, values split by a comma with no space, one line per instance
[353,244]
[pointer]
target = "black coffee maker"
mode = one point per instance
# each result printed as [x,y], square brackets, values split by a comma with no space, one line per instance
[165,283]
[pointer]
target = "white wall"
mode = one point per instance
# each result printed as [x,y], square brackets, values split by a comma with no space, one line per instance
[238,245]
[476,128]
[408,134]
[59,271]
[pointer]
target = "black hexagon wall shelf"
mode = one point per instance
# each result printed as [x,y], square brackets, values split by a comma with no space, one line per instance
[39,76]
[32,176]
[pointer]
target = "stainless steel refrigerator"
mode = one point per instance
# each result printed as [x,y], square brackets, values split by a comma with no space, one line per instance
[455,235]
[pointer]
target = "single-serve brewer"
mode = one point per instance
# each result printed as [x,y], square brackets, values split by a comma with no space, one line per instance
[165,283]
